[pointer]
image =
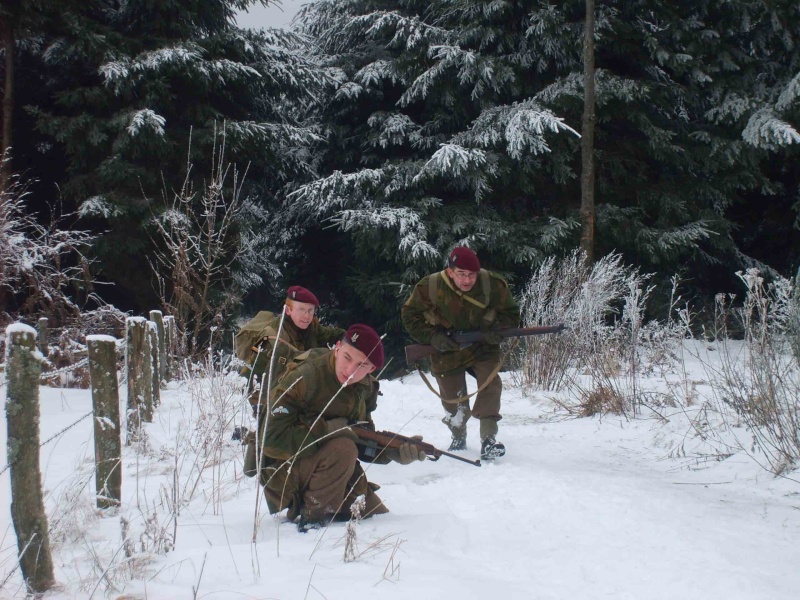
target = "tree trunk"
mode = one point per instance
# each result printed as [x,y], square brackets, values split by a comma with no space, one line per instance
[7,31]
[587,138]
[27,500]
[105,404]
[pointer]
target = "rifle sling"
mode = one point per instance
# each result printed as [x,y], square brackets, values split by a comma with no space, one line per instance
[480,388]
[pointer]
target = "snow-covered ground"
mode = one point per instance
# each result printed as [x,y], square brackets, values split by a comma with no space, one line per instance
[578,509]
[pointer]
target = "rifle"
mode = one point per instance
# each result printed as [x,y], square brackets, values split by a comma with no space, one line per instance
[389,439]
[415,352]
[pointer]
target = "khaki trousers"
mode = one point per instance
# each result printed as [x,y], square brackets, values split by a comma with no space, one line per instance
[322,485]
[486,407]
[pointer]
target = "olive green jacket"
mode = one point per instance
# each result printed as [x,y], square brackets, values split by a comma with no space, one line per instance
[256,342]
[489,304]
[306,396]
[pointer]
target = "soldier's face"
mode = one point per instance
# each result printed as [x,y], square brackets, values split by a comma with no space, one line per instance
[301,313]
[464,280]
[352,365]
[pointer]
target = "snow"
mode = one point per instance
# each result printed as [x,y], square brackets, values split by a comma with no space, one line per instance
[101,338]
[578,508]
[20,328]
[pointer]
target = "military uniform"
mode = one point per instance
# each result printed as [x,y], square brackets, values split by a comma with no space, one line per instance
[261,332]
[312,477]
[437,305]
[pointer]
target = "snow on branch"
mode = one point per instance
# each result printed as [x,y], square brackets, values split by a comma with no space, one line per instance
[393,129]
[766,130]
[790,94]
[375,73]
[409,224]
[115,73]
[666,242]
[98,206]
[338,190]
[146,119]
[521,127]
[453,161]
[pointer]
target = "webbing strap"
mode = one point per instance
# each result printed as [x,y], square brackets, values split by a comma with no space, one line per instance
[482,387]
[484,277]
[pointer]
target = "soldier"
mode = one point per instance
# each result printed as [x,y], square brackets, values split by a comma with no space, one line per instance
[312,461]
[256,341]
[464,297]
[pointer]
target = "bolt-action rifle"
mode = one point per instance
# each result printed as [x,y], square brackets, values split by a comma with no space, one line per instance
[389,439]
[416,352]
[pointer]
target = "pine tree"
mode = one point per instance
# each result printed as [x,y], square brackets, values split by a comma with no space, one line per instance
[451,123]
[140,96]
[434,140]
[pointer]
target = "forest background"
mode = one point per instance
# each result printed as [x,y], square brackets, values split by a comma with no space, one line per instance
[160,156]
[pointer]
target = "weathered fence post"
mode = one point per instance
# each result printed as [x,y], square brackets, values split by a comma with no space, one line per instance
[44,336]
[107,435]
[22,414]
[155,361]
[170,341]
[138,365]
[158,318]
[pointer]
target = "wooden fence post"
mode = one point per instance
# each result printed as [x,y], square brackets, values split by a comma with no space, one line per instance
[138,365]
[107,435]
[22,414]
[157,317]
[44,336]
[155,362]
[170,341]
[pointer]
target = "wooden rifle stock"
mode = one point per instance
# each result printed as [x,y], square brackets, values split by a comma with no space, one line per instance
[415,352]
[389,439]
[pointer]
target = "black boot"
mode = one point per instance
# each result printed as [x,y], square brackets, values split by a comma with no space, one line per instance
[491,449]
[459,442]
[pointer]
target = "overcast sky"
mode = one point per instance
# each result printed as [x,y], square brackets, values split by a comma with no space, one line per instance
[279,13]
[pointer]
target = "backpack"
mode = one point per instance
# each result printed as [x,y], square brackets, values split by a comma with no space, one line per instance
[254,331]
[254,345]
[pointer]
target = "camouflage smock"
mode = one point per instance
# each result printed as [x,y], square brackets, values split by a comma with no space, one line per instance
[263,329]
[293,426]
[303,394]
[450,310]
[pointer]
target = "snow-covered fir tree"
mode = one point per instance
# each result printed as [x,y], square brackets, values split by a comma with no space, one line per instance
[453,121]
[141,94]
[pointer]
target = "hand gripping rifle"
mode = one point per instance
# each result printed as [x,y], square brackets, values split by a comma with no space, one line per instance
[389,439]
[415,352]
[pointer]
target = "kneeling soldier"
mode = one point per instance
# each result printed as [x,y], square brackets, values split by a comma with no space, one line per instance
[312,460]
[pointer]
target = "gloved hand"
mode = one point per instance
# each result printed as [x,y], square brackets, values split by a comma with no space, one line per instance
[491,336]
[443,342]
[408,452]
[338,427]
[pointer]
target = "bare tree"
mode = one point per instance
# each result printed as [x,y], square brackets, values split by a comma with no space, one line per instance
[39,264]
[197,247]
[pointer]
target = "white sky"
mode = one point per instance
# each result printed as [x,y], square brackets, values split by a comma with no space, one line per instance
[279,13]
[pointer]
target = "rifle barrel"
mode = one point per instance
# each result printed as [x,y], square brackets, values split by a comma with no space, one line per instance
[415,352]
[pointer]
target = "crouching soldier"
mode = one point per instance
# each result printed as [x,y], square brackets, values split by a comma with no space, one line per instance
[311,463]
[464,297]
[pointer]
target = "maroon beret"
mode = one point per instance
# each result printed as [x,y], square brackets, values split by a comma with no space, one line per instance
[301,294]
[463,258]
[366,339]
